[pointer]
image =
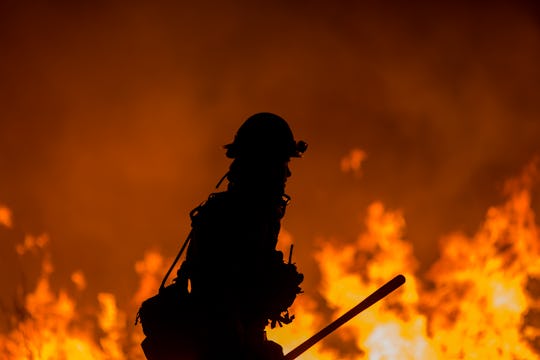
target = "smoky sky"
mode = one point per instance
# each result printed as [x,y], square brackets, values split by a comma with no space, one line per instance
[113,116]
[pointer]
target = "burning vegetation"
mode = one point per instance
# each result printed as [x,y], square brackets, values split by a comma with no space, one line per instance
[479,300]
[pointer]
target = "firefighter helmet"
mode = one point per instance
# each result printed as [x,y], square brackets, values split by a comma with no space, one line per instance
[265,135]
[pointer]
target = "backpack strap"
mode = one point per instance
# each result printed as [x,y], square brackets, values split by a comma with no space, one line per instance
[162,286]
[192,214]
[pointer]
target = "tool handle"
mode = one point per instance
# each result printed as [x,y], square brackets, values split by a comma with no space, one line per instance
[377,295]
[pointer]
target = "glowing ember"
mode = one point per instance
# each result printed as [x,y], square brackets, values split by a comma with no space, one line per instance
[79,280]
[353,162]
[32,243]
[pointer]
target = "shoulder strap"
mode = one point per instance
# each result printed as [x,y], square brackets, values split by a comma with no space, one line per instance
[192,214]
[162,286]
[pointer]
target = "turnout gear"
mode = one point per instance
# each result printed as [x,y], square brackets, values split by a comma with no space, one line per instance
[239,282]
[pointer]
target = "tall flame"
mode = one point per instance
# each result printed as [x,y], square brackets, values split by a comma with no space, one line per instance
[481,302]
[478,301]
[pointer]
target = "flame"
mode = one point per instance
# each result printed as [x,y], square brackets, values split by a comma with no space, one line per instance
[49,324]
[43,330]
[5,217]
[479,300]
[350,272]
[476,302]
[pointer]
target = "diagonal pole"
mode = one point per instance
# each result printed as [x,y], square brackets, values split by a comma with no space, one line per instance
[379,294]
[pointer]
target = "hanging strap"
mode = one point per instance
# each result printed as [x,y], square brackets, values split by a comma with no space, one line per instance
[162,286]
[192,214]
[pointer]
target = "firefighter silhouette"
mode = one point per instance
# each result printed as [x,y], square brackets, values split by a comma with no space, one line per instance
[239,282]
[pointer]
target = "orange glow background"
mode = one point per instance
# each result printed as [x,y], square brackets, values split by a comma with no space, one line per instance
[112,118]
